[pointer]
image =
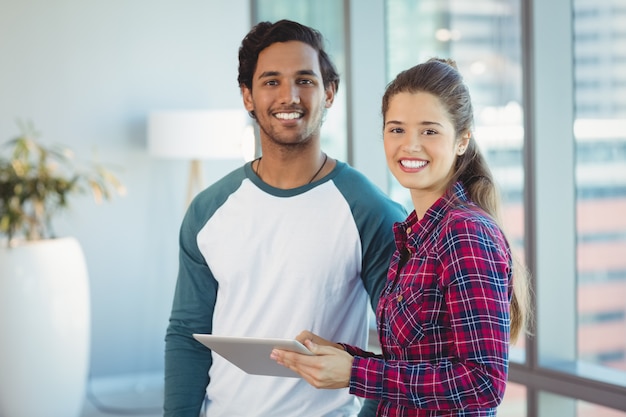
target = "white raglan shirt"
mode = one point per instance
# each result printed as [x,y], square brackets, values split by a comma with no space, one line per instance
[277,286]
[283,261]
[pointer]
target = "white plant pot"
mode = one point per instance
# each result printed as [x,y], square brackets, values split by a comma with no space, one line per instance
[44,329]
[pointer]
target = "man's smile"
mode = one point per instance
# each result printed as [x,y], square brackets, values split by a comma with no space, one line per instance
[289,116]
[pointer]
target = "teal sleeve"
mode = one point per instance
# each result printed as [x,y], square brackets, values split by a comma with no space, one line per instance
[376,228]
[187,362]
[378,246]
[375,214]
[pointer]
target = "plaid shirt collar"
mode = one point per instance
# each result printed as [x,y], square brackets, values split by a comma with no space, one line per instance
[412,232]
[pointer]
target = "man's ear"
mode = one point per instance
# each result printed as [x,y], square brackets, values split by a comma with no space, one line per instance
[330,94]
[246,94]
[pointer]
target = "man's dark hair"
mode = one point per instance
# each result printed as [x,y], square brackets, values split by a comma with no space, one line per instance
[265,34]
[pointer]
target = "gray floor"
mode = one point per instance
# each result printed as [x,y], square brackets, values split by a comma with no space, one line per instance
[126,397]
[122,405]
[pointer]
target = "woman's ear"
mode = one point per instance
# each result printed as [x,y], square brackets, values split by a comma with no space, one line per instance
[463,143]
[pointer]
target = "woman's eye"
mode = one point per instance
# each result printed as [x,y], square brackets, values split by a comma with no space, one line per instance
[430,132]
[396,130]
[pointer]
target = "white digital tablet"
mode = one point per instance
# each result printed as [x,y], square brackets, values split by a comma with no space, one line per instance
[252,354]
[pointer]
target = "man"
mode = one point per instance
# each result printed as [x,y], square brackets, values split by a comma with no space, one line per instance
[293,240]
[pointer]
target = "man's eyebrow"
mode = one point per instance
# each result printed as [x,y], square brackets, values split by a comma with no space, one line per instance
[308,72]
[267,74]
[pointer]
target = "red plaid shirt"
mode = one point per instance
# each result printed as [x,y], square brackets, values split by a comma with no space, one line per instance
[443,317]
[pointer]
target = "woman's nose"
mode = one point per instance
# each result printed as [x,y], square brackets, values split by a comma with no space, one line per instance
[412,143]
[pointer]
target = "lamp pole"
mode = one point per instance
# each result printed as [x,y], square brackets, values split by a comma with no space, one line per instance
[195,182]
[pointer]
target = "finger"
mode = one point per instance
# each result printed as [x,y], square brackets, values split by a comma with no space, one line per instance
[304,335]
[289,359]
[321,350]
[311,345]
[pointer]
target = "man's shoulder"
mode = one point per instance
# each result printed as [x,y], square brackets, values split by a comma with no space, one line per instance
[348,176]
[212,197]
[360,191]
[345,169]
[225,185]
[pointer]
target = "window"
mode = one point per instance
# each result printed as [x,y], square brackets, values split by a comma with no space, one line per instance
[600,143]
[560,405]
[514,402]
[558,80]
[548,82]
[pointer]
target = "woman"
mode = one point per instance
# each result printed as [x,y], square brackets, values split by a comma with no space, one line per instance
[449,309]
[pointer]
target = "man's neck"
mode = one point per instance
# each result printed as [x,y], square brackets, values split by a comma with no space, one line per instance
[292,171]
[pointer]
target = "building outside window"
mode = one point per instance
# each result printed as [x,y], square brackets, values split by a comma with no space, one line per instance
[600,137]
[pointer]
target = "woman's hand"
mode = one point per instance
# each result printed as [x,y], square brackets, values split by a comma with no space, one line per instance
[329,368]
[307,335]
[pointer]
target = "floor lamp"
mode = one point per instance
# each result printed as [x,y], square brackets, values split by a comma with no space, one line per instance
[198,135]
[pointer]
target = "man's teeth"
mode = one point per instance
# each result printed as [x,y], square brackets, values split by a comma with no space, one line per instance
[412,163]
[288,116]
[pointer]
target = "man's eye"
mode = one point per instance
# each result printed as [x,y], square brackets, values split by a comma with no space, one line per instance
[271,82]
[305,82]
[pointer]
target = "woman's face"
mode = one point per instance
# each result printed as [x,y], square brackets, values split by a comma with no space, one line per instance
[421,144]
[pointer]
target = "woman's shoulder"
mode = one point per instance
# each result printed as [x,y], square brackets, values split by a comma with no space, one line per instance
[470,223]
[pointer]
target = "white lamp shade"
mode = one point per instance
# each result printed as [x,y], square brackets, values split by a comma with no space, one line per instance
[198,134]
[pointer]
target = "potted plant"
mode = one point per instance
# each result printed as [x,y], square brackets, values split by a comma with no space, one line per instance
[44,288]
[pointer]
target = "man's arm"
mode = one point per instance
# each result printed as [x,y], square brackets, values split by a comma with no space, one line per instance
[376,222]
[378,243]
[186,376]
[375,214]
[187,361]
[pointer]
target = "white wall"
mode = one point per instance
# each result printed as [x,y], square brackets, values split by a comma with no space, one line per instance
[87,73]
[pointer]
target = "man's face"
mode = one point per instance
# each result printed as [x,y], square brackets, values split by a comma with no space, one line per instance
[288,95]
